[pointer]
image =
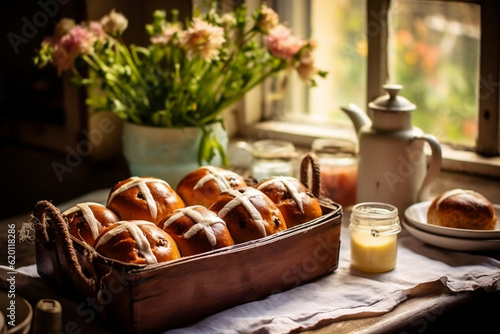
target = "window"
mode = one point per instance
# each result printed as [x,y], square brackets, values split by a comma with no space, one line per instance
[356,37]
[434,53]
[342,52]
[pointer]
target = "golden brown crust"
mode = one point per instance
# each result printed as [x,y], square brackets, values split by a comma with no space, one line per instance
[463,209]
[123,246]
[81,228]
[132,204]
[196,230]
[203,185]
[248,213]
[296,203]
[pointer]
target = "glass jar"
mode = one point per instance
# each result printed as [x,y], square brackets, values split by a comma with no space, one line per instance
[272,158]
[339,169]
[374,228]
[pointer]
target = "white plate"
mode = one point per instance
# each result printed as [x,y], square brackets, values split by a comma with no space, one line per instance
[458,244]
[417,216]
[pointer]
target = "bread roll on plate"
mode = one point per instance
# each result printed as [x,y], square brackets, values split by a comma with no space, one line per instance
[465,209]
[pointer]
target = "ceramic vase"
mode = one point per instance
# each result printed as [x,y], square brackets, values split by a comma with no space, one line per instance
[166,153]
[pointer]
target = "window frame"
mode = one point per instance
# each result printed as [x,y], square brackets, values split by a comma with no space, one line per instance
[484,160]
[488,141]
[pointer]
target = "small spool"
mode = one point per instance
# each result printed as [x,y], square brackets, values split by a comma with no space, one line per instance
[48,317]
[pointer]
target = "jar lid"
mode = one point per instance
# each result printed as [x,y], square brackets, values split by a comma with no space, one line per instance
[376,218]
[270,149]
[391,101]
[334,146]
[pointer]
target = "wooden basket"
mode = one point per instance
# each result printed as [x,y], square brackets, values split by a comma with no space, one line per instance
[154,298]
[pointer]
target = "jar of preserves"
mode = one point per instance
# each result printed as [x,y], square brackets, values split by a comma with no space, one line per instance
[374,228]
[339,169]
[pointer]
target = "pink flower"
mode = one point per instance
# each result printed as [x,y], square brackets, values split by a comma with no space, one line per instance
[205,39]
[67,48]
[306,68]
[78,41]
[62,59]
[166,35]
[96,29]
[282,44]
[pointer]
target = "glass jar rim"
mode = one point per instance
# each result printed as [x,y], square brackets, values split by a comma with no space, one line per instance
[376,218]
[271,148]
[334,146]
[375,210]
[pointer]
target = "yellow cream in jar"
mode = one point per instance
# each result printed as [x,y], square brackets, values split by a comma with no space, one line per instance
[374,228]
[373,254]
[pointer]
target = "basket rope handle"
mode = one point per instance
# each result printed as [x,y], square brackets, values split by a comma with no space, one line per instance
[41,211]
[309,167]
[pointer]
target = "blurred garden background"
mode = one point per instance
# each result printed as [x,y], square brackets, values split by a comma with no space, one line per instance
[433,52]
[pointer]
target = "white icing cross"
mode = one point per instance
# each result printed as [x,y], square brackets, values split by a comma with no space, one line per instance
[202,222]
[137,234]
[140,182]
[290,186]
[88,215]
[244,199]
[452,193]
[217,175]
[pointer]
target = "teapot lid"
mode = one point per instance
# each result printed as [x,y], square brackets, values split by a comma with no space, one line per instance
[391,101]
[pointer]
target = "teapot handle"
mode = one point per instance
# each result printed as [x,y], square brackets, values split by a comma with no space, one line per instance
[434,166]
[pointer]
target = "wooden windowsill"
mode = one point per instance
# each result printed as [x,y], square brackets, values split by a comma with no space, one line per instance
[302,135]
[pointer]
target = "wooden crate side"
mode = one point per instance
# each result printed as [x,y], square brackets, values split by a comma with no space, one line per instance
[137,299]
[193,290]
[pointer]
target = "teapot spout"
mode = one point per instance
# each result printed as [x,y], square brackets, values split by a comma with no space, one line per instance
[357,115]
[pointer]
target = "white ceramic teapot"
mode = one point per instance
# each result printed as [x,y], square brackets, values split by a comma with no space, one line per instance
[392,163]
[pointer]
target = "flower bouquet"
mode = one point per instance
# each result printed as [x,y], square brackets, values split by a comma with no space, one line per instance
[187,75]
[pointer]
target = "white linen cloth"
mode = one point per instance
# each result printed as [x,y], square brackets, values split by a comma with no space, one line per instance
[344,294]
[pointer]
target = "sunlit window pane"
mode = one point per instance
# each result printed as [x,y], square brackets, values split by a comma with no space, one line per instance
[433,52]
[338,27]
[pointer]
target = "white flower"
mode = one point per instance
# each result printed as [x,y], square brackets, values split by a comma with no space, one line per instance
[228,20]
[205,39]
[114,23]
[64,26]
[268,19]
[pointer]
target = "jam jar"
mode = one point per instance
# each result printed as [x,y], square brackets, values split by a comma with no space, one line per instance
[339,169]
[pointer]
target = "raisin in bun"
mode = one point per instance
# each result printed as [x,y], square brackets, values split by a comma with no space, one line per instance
[248,213]
[87,220]
[196,229]
[143,198]
[136,241]
[296,203]
[203,185]
[464,209]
